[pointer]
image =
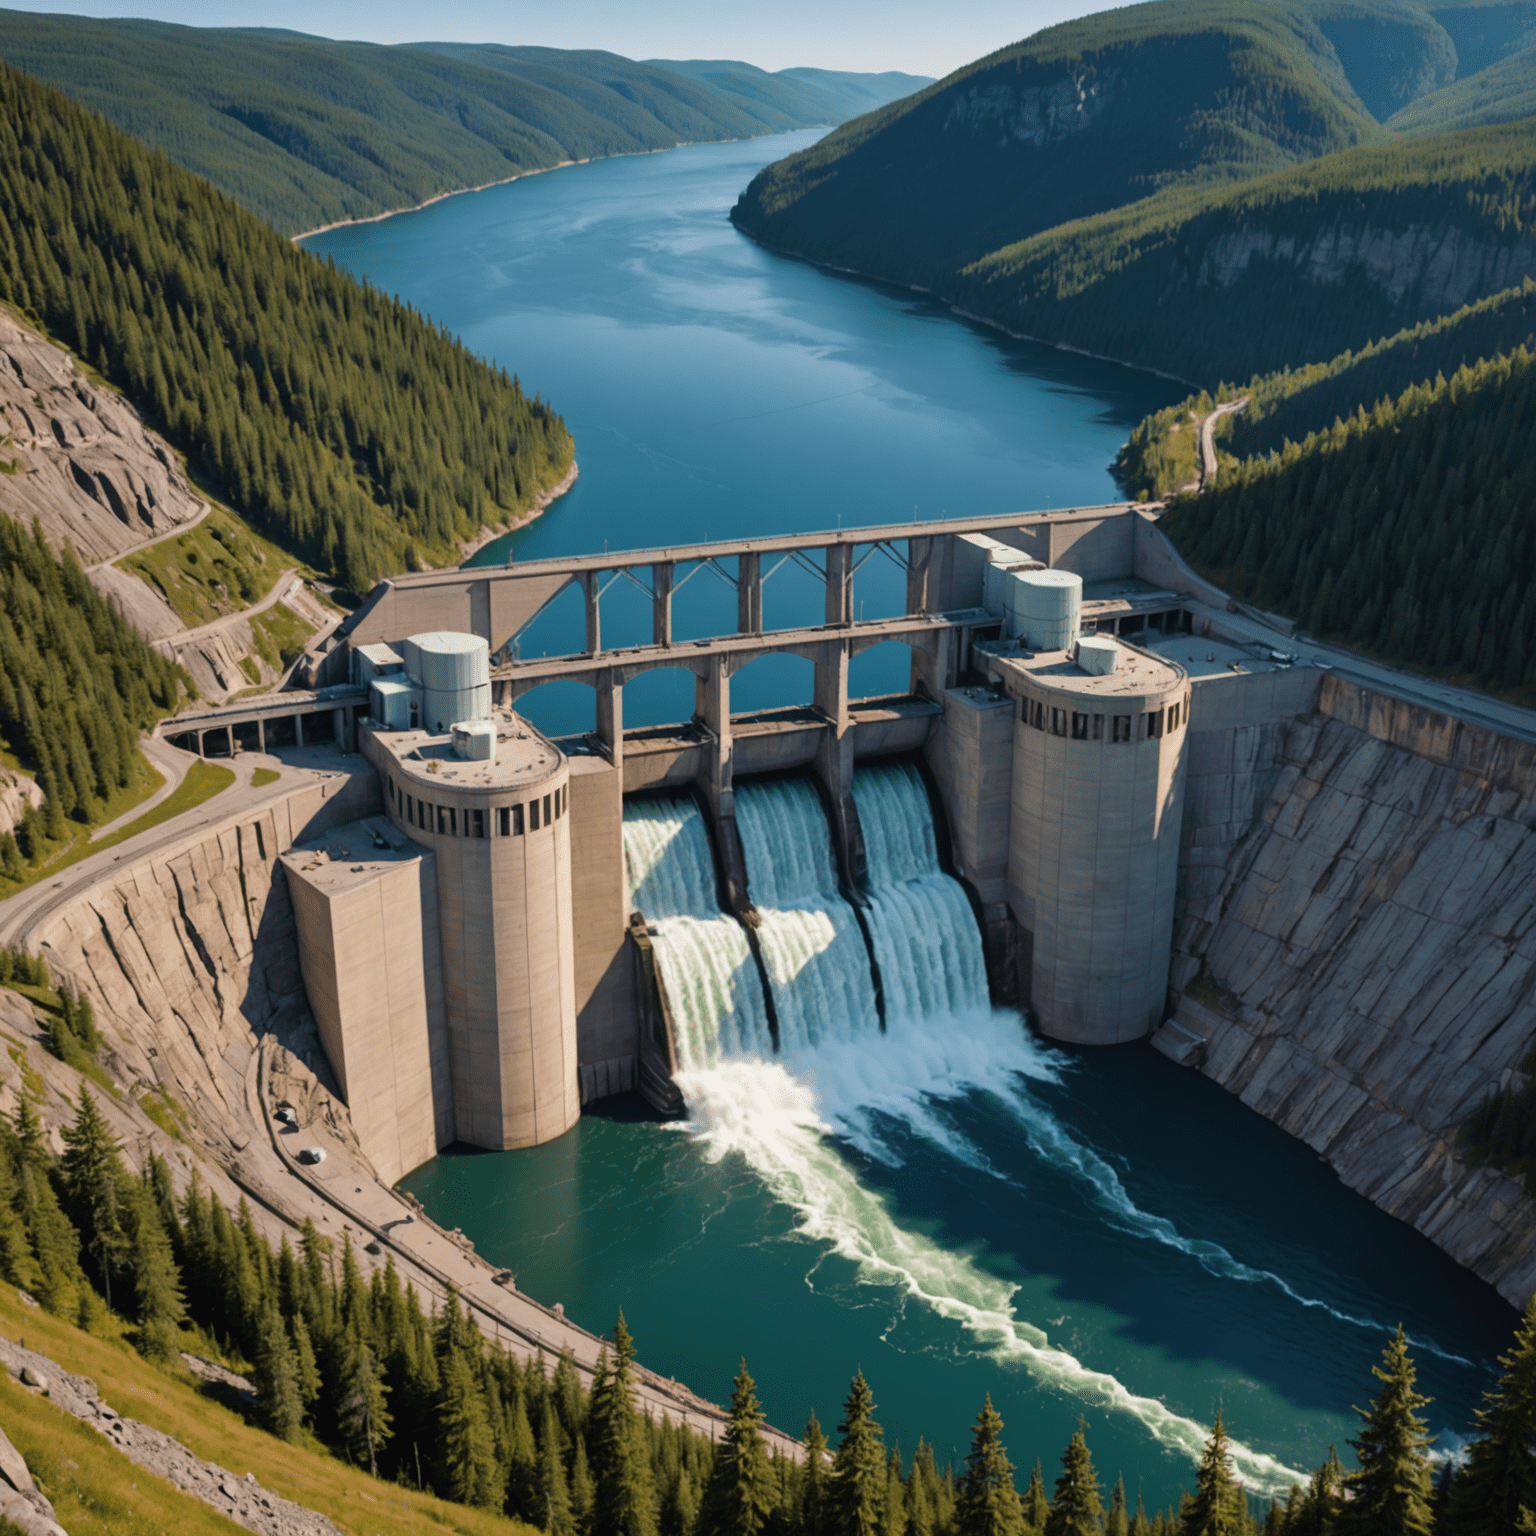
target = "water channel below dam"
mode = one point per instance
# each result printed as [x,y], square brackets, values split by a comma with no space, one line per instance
[949,1205]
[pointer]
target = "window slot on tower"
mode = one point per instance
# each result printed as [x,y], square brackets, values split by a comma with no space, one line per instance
[547,817]
[1122,728]
[1079,726]
[504,821]
[1098,727]
[533,815]
[1155,724]
[476,821]
[517,821]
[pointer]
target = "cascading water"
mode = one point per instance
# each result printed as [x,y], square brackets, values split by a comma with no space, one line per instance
[836,1077]
[920,922]
[817,964]
[713,987]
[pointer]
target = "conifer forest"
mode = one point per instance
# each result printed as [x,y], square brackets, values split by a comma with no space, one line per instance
[339,422]
[419,1397]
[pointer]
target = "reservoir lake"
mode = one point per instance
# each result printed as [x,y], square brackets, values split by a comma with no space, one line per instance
[1096,1235]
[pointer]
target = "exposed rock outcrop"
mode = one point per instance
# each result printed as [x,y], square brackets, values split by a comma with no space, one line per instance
[243,1499]
[17,792]
[1357,950]
[78,458]
[1433,269]
[192,954]
[85,464]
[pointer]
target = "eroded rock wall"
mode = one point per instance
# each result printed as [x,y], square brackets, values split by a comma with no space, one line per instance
[84,463]
[191,956]
[1357,951]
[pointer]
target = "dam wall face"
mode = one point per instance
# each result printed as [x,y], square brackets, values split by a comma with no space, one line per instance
[500,836]
[1355,955]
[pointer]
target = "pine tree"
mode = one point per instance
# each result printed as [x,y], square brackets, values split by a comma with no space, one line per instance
[738,1497]
[583,1493]
[361,1410]
[856,1488]
[468,1449]
[1314,1511]
[156,1282]
[1499,1478]
[1036,1506]
[1076,1509]
[1389,1495]
[1141,1525]
[813,1487]
[1218,1508]
[624,1493]
[1118,1521]
[93,1178]
[278,1402]
[988,1503]
[553,1503]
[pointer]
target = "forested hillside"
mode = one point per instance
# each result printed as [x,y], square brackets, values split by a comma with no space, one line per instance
[1288,405]
[1281,270]
[1078,119]
[422,1399]
[1407,532]
[796,98]
[1210,189]
[341,423]
[77,685]
[304,131]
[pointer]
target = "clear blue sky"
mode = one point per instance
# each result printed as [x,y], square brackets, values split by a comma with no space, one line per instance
[919,36]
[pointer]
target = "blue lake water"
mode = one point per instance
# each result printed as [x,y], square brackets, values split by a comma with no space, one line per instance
[1172,1251]
[716,390]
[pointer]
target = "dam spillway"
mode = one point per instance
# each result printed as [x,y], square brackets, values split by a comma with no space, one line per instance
[921,924]
[813,948]
[712,983]
[918,927]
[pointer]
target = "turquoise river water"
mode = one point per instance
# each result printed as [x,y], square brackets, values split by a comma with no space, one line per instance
[951,1206]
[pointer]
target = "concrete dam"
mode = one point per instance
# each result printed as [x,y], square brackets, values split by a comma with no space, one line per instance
[534,923]
[1110,798]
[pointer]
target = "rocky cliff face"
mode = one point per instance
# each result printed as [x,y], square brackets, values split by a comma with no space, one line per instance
[191,956]
[76,457]
[1357,950]
[1429,268]
[82,461]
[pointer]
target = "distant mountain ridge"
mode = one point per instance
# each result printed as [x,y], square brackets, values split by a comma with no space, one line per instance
[1090,185]
[305,131]
[797,98]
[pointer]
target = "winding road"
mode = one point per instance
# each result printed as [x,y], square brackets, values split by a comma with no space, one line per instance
[1208,438]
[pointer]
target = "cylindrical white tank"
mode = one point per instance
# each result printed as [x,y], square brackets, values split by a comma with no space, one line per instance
[1099,654]
[1045,608]
[454,672]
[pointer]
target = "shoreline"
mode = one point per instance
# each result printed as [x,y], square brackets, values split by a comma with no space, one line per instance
[954,309]
[541,503]
[540,170]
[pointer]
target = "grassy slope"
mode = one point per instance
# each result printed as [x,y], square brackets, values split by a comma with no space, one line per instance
[217,568]
[307,1474]
[305,131]
[203,781]
[1133,284]
[1078,119]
